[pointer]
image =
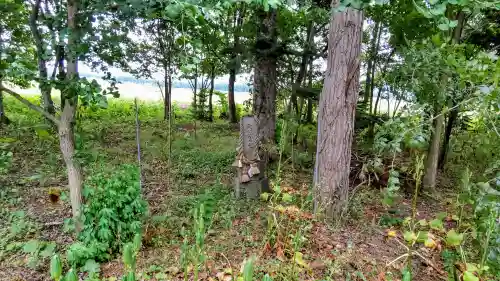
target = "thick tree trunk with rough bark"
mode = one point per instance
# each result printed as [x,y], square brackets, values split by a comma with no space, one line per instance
[431,164]
[264,96]
[337,106]
[66,134]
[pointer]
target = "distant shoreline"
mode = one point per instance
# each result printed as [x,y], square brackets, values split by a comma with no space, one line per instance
[149,92]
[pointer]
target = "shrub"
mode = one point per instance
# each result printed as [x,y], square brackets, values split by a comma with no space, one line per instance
[112,215]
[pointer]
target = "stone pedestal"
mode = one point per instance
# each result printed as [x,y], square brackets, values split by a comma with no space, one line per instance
[250,180]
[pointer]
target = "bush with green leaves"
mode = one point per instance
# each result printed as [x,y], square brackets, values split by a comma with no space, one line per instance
[129,257]
[112,215]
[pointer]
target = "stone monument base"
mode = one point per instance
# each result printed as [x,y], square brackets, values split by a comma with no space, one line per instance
[251,189]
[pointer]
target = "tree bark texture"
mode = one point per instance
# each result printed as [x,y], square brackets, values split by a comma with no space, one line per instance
[264,96]
[336,114]
[429,181]
[66,134]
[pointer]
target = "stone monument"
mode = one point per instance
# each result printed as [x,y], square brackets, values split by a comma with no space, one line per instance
[250,180]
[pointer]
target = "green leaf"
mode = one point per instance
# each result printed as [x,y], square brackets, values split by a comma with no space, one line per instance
[248,269]
[409,236]
[453,23]
[91,267]
[128,255]
[436,224]
[406,274]
[55,268]
[441,215]
[31,246]
[265,5]
[267,278]
[264,196]
[469,276]
[443,26]
[48,250]
[287,198]
[71,276]
[422,236]
[453,238]
[130,276]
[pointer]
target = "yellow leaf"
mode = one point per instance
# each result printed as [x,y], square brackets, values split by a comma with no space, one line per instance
[430,243]
[391,233]
[299,259]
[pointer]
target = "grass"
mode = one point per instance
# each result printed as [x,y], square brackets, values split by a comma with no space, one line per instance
[200,173]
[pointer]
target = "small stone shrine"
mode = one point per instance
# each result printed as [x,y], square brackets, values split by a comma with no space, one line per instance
[250,180]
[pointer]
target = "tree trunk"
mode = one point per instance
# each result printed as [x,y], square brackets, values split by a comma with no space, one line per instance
[447,135]
[66,134]
[309,114]
[234,65]
[431,163]
[302,68]
[3,118]
[457,34]
[370,65]
[230,96]
[211,92]
[164,41]
[166,100]
[264,96]
[195,95]
[43,82]
[337,109]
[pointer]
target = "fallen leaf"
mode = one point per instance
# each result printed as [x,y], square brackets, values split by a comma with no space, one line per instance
[391,233]
[280,254]
[381,276]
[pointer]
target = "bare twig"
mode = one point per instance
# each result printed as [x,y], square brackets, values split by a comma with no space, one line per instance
[31,105]
[429,263]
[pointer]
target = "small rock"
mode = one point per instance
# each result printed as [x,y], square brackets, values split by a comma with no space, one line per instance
[317,264]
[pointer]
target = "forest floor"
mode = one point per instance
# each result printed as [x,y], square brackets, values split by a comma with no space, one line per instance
[357,249]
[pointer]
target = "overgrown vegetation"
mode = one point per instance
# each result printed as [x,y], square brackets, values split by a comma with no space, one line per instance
[373,146]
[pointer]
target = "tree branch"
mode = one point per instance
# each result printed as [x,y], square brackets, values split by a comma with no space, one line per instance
[31,105]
